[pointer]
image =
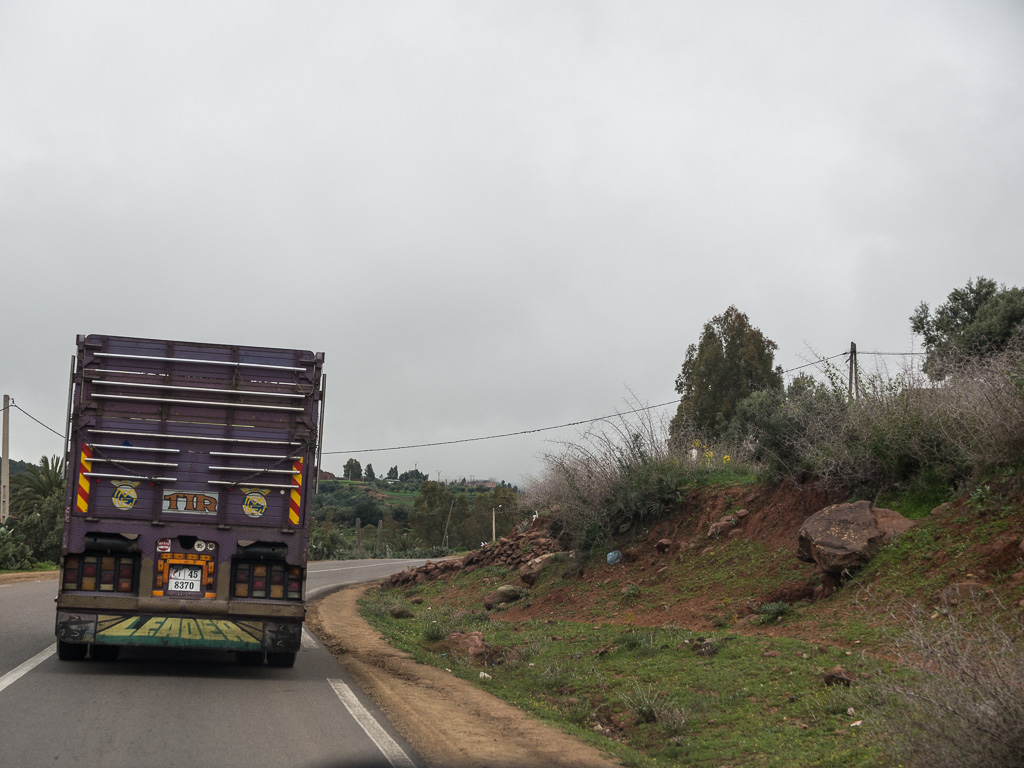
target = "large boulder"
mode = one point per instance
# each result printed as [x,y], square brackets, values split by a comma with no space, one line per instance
[845,536]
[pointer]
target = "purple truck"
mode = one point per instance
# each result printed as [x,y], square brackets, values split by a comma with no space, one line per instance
[186,523]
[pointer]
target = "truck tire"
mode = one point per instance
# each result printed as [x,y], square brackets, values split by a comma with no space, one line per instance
[284,659]
[104,652]
[249,658]
[71,651]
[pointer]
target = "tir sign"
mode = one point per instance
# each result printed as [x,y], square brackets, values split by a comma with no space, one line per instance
[190,503]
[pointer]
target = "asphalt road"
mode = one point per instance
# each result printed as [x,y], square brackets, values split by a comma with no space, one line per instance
[164,707]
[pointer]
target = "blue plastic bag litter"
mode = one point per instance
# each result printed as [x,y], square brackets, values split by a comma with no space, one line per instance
[614,557]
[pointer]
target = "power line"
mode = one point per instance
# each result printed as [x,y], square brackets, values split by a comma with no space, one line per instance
[525,431]
[37,421]
[506,434]
[816,362]
[893,354]
[847,352]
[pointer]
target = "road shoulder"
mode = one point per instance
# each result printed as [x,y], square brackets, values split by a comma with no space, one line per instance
[448,721]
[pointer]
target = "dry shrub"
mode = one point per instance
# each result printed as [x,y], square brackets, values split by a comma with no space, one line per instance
[579,482]
[984,400]
[620,472]
[961,704]
[900,426]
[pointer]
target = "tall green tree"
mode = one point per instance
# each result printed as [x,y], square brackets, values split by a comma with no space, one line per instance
[732,360]
[369,474]
[429,512]
[353,470]
[976,320]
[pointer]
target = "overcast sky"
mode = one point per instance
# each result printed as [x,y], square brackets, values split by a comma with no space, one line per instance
[495,216]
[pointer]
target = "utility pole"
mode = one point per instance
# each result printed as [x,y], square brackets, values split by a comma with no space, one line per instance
[5,470]
[444,539]
[853,385]
[494,530]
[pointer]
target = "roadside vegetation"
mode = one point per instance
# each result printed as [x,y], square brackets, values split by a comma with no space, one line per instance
[651,695]
[660,661]
[30,537]
[412,517]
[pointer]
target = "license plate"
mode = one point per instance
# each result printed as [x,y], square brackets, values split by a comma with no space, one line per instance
[184,578]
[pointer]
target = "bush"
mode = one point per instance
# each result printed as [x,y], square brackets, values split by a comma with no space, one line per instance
[622,473]
[435,631]
[42,524]
[638,641]
[900,428]
[15,554]
[770,613]
[644,702]
[962,704]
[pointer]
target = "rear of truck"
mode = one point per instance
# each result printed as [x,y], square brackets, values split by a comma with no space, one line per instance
[186,520]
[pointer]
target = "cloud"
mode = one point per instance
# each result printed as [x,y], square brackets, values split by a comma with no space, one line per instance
[495,217]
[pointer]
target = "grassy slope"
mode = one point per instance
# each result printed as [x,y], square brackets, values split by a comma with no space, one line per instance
[608,652]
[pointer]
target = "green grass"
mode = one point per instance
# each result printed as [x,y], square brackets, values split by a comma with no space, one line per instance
[602,672]
[916,498]
[647,696]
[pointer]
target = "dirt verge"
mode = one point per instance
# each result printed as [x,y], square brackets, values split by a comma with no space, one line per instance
[448,721]
[11,578]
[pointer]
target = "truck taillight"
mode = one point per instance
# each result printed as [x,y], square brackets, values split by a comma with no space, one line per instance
[100,573]
[259,580]
[273,580]
[295,583]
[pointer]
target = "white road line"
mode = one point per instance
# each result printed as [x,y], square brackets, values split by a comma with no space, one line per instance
[16,673]
[387,746]
[308,641]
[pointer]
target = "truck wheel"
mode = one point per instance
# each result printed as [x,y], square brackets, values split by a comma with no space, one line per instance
[104,652]
[249,658]
[71,651]
[281,658]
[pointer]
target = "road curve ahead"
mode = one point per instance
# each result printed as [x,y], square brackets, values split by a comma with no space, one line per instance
[166,707]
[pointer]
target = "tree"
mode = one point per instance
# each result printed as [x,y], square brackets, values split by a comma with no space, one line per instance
[43,527]
[393,473]
[503,504]
[353,470]
[429,512]
[731,361]
[37,503]
[369,474]
[37,483]
[976,320]
[412,474]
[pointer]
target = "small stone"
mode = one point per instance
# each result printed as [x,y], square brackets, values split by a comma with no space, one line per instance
[838,676]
